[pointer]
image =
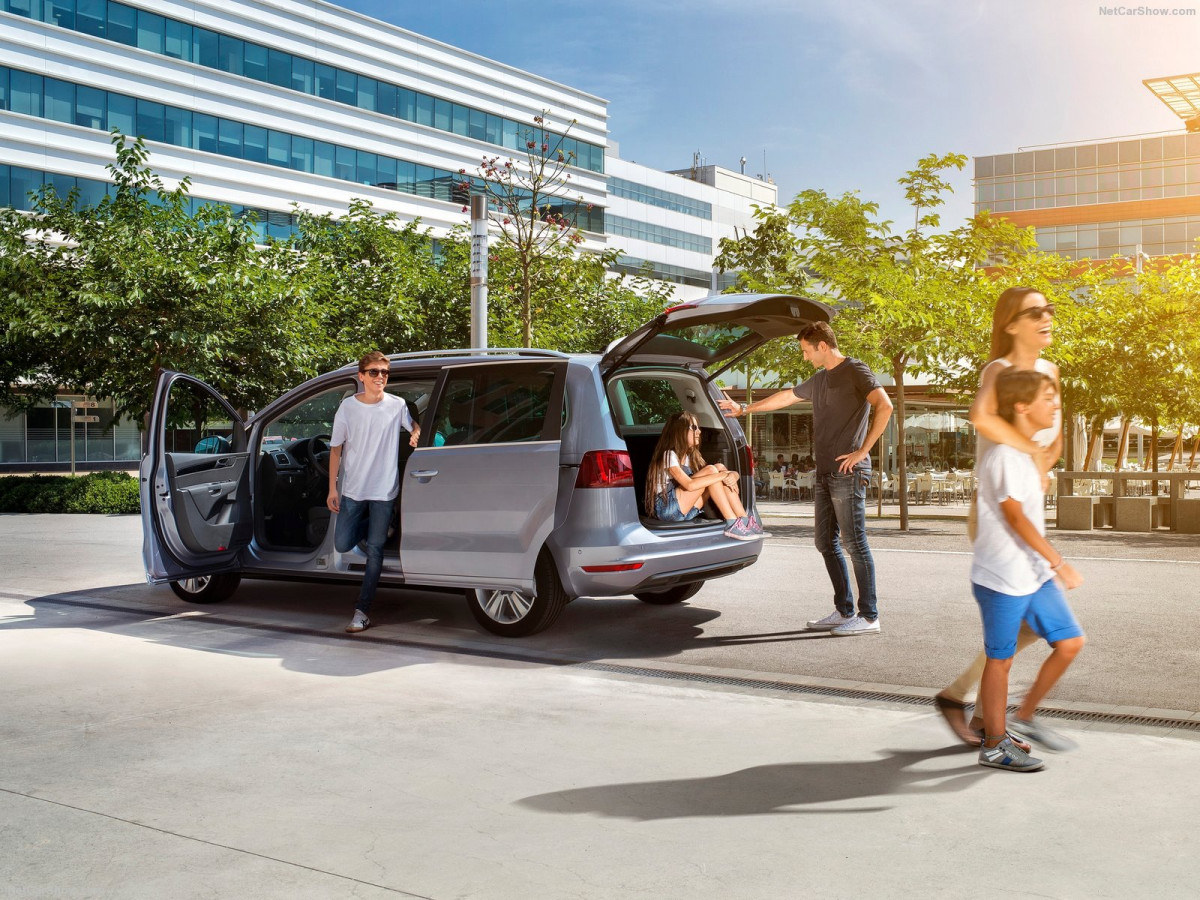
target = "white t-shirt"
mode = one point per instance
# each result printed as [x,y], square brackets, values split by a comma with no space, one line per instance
[1002,561]
[369,434]
[1046,436]
[670,458]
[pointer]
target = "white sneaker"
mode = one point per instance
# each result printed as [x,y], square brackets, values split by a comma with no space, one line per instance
[360,622]
[830,622]
[857,625]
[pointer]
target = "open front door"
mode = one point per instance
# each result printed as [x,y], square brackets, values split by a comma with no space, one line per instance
[479,493]
[194,483]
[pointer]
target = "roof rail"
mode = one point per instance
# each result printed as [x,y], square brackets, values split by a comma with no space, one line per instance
[484,351]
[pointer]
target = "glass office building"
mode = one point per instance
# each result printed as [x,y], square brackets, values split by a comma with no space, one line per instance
[1107,198]
[266,103]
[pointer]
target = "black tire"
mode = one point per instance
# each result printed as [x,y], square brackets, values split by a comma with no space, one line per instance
[676,594]
[515,614]
[206,588]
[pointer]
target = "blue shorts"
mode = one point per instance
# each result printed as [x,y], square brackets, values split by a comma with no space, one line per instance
[1045,611]
[666,507]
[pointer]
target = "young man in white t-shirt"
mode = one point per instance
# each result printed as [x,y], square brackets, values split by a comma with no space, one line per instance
[1017,576]
[366,444]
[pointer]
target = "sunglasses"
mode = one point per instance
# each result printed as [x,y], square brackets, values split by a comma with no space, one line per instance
[376,373]
[1036,312]
[695,428]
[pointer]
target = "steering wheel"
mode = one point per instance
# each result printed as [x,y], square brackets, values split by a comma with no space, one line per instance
[318,453]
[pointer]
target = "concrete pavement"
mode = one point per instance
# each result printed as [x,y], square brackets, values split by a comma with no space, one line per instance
[251,749]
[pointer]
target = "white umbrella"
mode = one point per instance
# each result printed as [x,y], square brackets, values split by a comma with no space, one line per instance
[936,420]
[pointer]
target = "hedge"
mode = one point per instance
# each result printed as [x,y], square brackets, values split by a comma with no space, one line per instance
[98,492]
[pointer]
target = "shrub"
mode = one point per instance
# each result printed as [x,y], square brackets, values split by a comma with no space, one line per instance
[99,492]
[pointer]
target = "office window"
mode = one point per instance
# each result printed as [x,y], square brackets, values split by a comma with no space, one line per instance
[1064,158]
[206,48]
[441,114]
[59,12]
[254,144]
[346,87]
[204,131]
[1064,184]
[303,74]
[91,191]
[1152,149]
[279,148]
[323,158]
[1023,163]
[406,177]
[150,120]
[1024,187]
[386,172]
[345,163]
[1106,155]
[302,154]
[254,62]
[90,16]
[230,53]
[511,137]
[1129,151]
[121,24]
[368,93]
[1085,156]
[177,126]
[326,78]
[423,181]
[1003,190]
[30,9]
[424,110]
[25,90]
[460,119]
[89,107]
[59,100]
[22,184]
[1173,146]
[229,138]
[1004,164]
[493,129]
[151,31]
[385,99]
[984,167]
[406,105]
[477,126]
[367,172]
[122,114]
[177,42]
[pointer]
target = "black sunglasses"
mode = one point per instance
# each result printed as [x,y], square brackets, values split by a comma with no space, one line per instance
[1036,312]
[376,373]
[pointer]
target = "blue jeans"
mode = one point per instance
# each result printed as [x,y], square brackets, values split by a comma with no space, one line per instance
[359,519]
[841,506]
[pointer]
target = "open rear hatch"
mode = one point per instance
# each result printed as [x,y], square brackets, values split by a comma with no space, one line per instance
[714,333]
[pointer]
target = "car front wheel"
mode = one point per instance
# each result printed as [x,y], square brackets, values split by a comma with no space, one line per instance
[206,588]
[511,613]
[676,594]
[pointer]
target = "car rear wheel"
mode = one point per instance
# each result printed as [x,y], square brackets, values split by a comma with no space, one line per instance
[511,613]
[676,594]
[206,588]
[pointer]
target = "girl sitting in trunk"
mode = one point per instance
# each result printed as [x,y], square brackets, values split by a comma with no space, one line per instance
[678,482]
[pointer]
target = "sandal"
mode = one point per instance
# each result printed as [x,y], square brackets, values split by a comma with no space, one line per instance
[955,714]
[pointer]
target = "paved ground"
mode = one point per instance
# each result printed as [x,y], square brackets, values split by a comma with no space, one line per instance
[253,750]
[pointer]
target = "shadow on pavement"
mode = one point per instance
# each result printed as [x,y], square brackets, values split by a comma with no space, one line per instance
[766,790]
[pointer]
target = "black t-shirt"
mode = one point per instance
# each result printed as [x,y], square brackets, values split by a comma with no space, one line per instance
[841,413]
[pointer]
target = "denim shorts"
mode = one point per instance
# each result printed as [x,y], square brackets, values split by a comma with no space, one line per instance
[666,507]
[1045,611]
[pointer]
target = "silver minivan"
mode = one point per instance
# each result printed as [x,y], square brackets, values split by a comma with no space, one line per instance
[524,492]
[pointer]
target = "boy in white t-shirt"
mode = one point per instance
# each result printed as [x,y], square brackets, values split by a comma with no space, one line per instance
[366,435]
[1016,574]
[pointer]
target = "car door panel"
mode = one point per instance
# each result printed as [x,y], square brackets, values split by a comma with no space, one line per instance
[194,483]
[478,510]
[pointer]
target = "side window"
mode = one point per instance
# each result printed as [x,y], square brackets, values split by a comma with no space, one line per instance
[496,405]
[197,422]
[311,418]
[415,392]
[646,401]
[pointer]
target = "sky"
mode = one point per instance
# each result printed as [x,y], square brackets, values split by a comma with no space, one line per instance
[837,95]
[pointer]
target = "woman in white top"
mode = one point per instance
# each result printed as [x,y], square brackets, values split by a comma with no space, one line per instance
[678,482]
[1022,327]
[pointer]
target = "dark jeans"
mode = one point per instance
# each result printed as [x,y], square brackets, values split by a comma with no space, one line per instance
[359,519]
[841,502]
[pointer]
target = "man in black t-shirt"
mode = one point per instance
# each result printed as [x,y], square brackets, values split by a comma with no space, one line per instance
[843,393]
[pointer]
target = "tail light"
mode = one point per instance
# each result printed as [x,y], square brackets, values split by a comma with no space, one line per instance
[605,469]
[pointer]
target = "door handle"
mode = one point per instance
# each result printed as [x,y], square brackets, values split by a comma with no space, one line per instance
[424,473]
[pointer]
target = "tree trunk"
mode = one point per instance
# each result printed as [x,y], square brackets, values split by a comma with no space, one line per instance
[1195,447]
[1154,452]
[1176,450]
[901,455]
[1123,443]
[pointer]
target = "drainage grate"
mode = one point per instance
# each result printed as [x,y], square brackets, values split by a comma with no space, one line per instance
[884,696]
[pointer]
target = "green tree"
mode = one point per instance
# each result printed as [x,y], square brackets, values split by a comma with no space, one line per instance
[135,284]
[532,216]
[905,299]
[368,281]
